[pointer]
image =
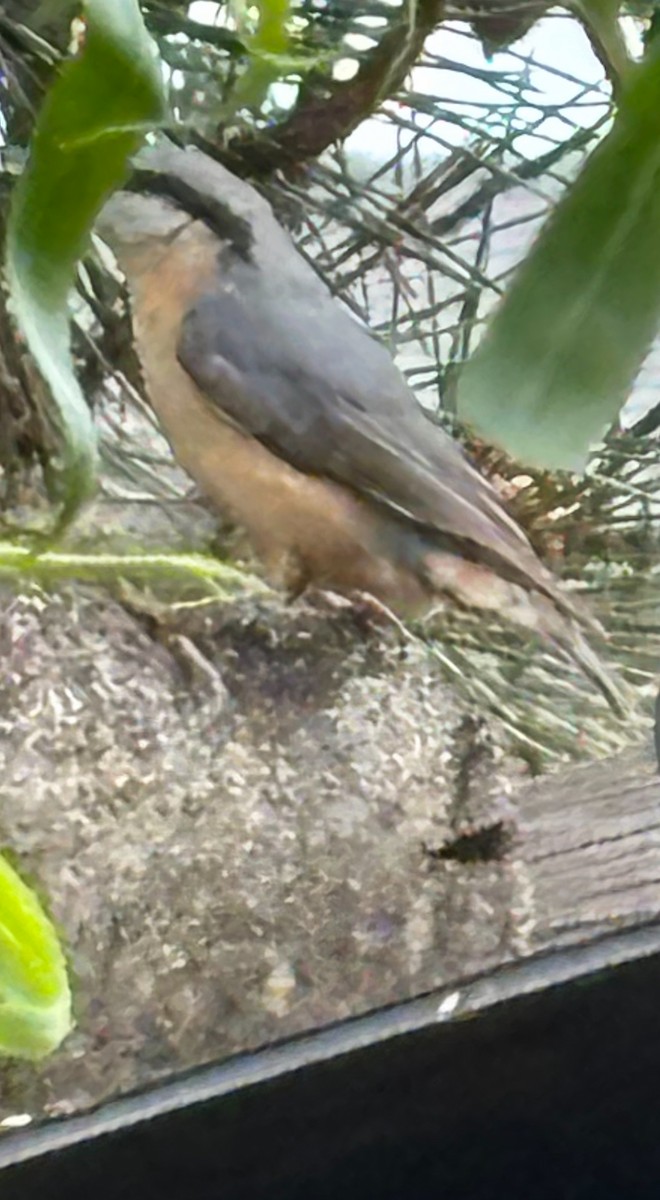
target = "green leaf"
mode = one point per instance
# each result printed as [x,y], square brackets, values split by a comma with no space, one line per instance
[93,118]
[267,45]
[35,1000]
[562,351]
[270,33]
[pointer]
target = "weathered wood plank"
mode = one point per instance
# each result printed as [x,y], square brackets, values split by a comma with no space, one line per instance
[590,841]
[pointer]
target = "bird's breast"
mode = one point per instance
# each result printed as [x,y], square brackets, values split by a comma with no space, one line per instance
[298,523]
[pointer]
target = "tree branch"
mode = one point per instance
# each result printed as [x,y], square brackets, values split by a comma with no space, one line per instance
[600,21]
[499,23]
[163,21]
[329,116]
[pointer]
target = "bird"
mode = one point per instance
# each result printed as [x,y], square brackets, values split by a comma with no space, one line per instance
[295,422]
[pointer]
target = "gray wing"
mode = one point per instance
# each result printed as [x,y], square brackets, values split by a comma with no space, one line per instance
[293,369]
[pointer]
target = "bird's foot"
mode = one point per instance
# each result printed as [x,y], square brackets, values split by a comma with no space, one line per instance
[372,611]
[365,609]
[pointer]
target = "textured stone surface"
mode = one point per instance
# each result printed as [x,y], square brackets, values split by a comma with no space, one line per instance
[232,822]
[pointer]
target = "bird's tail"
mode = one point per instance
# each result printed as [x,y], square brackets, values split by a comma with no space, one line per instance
[476,586]
[572,641]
